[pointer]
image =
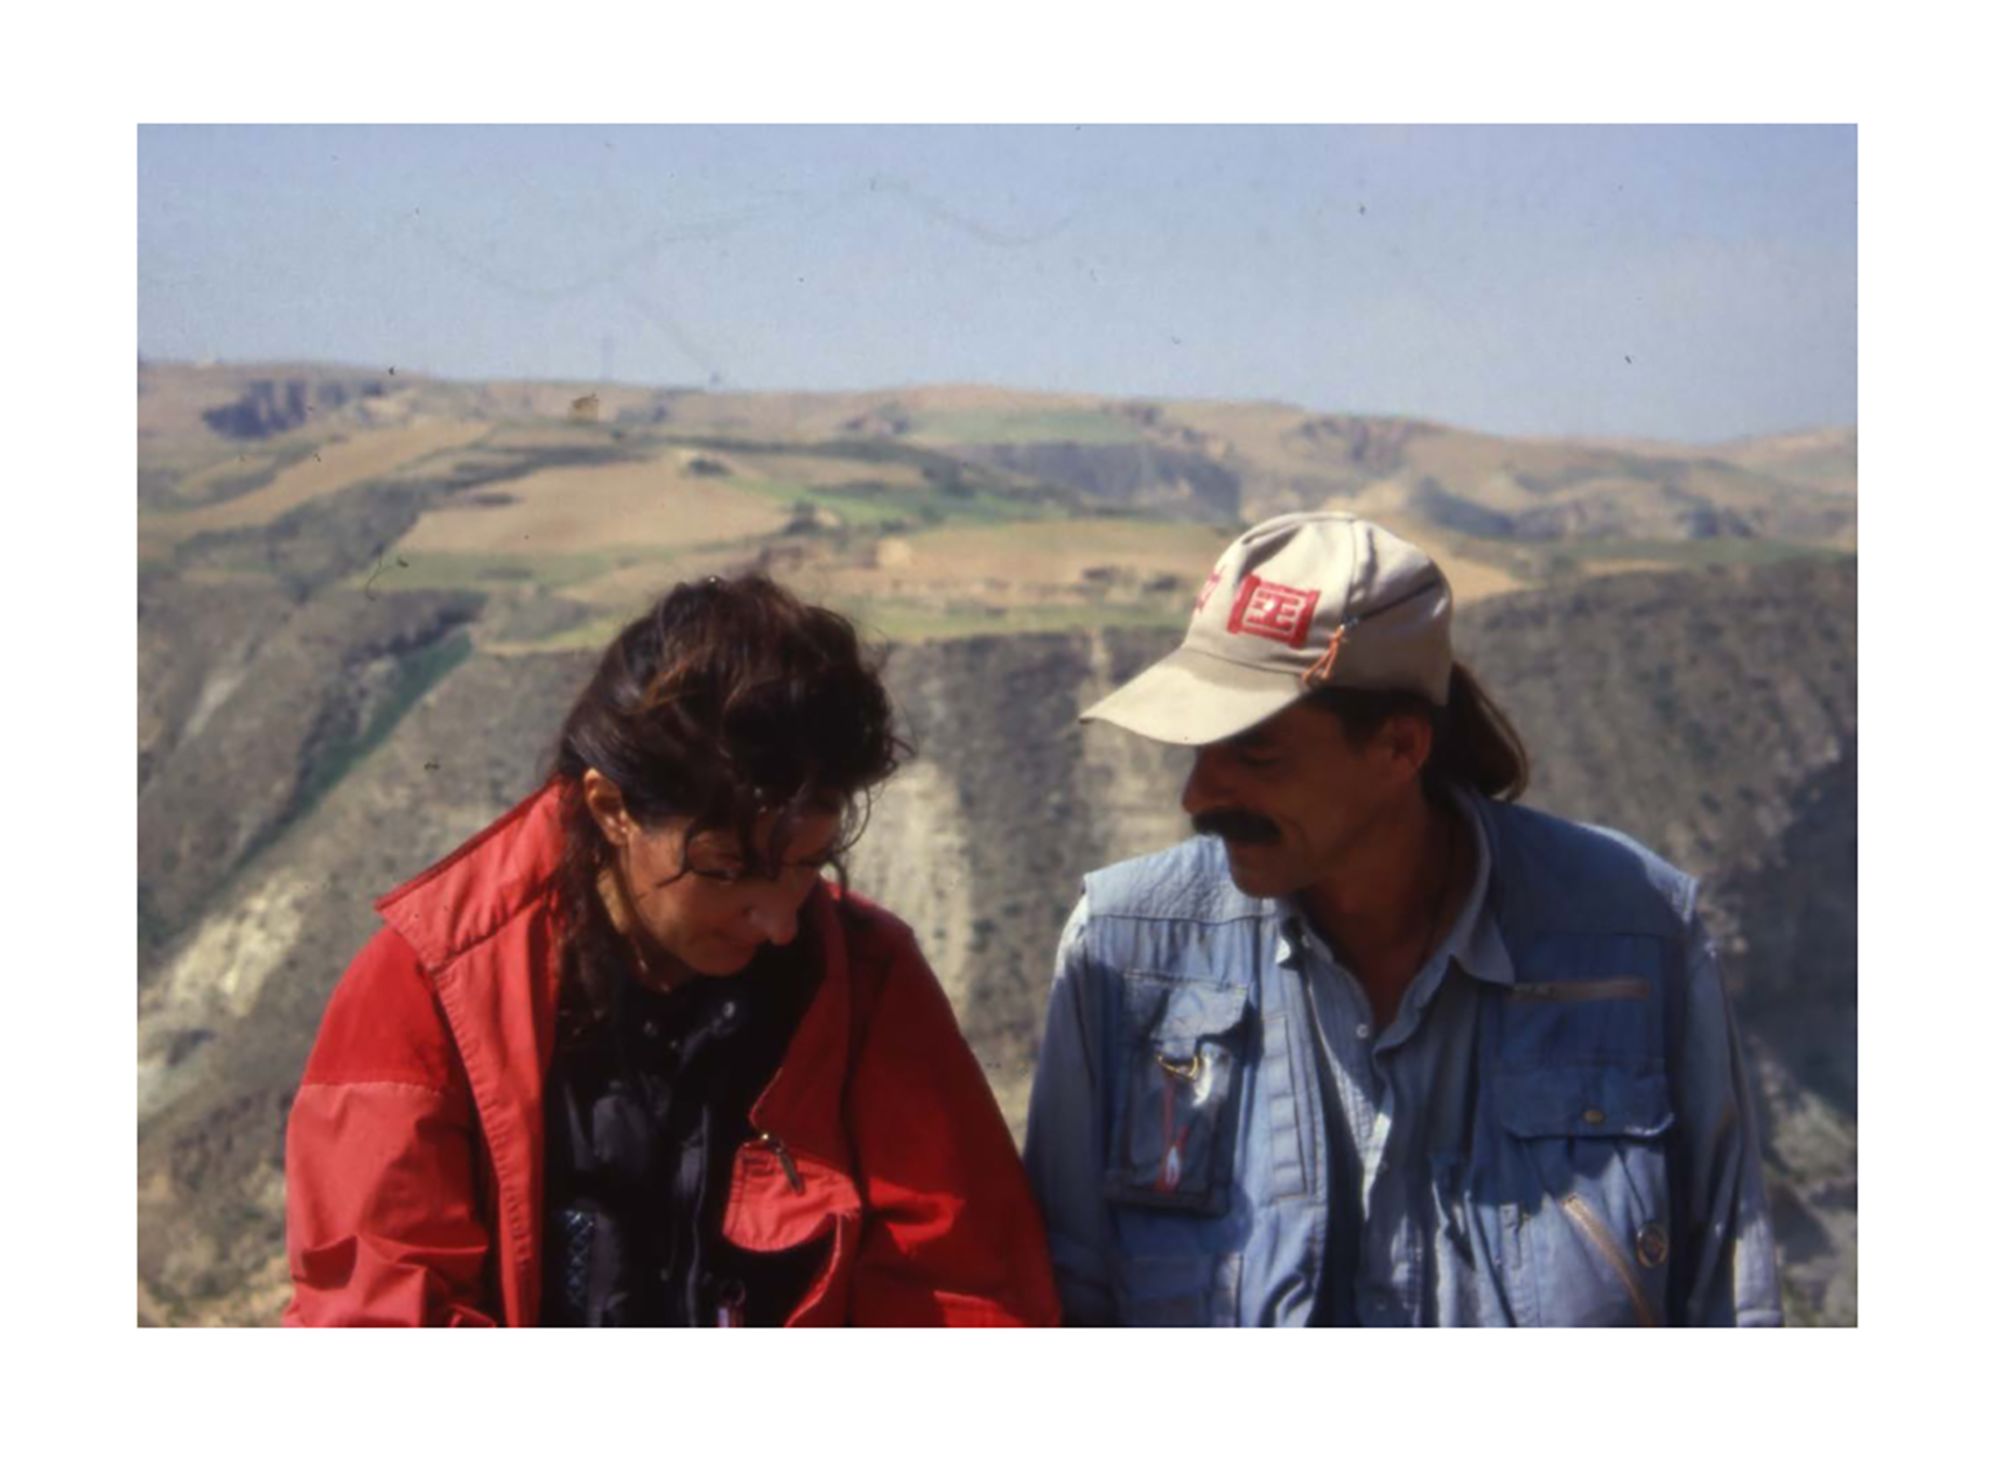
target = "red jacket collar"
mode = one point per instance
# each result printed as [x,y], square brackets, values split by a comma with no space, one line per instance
[484,883]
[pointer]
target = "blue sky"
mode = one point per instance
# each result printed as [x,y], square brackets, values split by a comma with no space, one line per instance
[1490,277]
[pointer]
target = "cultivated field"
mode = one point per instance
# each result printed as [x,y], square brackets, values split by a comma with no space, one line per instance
[656,504]
[309,472]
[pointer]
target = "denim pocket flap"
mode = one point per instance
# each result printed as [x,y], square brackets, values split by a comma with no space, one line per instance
[1177,1016]
[1584,1103]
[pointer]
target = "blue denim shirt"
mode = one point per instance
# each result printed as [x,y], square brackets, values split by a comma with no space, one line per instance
[1556,1128]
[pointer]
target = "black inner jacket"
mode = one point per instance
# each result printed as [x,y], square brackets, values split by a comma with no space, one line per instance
[644,1114]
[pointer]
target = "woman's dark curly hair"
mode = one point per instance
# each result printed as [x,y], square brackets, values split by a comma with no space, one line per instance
[729,700]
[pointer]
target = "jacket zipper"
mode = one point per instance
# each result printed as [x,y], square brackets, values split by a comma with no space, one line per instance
[818,1288]
[777,1147]
[1599,1235]
[729,1306]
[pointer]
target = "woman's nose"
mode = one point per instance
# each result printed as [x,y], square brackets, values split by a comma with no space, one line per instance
[775,920]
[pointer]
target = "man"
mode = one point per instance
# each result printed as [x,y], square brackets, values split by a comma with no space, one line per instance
[1381,1047]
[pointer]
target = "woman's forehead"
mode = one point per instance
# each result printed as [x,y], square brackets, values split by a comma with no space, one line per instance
[809,833]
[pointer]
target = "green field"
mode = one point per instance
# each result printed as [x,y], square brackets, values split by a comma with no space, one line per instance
[871,504]
[952,491]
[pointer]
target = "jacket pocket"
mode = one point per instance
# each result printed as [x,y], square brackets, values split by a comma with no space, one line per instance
[1174,1141]
[1595,1140]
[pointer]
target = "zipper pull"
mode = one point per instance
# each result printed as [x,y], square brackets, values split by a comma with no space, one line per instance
[785,1159]
[729,1305]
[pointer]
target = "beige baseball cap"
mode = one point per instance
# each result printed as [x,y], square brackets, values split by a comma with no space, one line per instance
[1300,602]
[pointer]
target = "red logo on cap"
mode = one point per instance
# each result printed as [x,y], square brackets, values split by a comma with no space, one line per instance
[1275,612]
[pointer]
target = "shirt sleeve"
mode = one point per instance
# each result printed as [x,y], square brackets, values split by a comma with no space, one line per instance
[1727,1274]
[1064,1152]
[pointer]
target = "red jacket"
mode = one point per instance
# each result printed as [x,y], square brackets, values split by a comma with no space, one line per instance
[413,1158]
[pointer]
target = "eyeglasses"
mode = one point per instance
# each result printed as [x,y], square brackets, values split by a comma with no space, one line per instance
[740,874]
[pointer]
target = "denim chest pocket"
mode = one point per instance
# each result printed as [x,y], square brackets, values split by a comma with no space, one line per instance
[1181,1051]
[1585,999]
[1597,1238]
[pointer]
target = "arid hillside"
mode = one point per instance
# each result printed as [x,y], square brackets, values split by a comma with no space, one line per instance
[365,602]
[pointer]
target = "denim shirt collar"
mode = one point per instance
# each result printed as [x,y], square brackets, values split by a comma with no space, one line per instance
[1473,943]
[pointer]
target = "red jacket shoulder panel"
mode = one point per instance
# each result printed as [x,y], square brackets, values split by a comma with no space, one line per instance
[383,1023]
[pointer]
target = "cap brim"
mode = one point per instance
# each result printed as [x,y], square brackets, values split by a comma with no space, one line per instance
[1191,698]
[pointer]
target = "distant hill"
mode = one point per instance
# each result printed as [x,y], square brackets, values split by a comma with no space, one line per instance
[206,432]
[365,600]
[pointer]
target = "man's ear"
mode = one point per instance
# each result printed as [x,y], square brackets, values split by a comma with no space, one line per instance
[1405,740]
[606,802]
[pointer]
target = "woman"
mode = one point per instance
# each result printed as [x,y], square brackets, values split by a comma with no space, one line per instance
[625,1058]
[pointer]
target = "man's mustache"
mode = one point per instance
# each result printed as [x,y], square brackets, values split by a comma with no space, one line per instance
[1238,826]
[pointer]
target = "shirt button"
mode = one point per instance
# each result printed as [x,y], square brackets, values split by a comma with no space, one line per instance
[650,1028]
[1361,1030]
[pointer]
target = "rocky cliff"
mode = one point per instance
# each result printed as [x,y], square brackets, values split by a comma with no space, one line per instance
[1711,714]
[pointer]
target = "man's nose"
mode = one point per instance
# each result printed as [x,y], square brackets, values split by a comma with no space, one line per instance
[1206,786]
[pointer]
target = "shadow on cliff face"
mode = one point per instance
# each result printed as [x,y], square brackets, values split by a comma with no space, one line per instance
[1797,979]
[270,407]
[266,723]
